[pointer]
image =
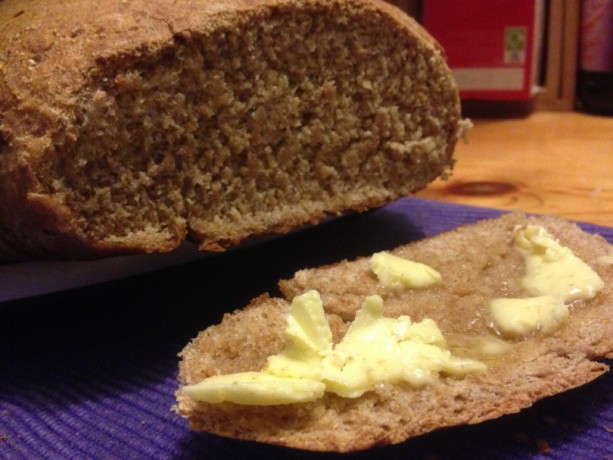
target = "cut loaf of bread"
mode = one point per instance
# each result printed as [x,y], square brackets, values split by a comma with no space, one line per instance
[129,126]
[477,263]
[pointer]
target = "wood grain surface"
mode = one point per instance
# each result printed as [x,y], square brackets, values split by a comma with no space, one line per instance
[557,163]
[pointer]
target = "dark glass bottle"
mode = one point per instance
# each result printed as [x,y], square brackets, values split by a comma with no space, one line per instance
[595,78]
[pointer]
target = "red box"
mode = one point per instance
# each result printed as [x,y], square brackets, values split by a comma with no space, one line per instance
[493,47]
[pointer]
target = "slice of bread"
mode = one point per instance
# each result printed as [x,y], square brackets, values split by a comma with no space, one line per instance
[477,263]
[129,126]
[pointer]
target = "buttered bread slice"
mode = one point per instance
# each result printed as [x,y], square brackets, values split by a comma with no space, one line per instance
[456,329]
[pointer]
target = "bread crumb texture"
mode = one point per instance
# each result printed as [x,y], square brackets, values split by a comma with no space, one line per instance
[477,263]
[129,126]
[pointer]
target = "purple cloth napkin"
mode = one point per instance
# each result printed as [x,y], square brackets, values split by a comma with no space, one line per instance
[91,373]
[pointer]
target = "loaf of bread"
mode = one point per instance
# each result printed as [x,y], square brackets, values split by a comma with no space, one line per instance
[127,127]
[477,263]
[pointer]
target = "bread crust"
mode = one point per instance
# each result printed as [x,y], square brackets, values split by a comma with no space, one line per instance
[532,369]
[55,57]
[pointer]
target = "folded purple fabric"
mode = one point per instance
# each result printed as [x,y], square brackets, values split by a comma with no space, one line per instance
[91,372]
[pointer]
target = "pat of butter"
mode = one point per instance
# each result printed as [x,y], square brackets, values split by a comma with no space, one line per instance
[374,350]
[554,276]
[517,318]
[552,269]
[309,339]
[394,272]
[255,388]
[307,327]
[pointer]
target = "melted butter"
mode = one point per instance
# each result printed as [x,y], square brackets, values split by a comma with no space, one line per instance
[552,269]
[374,350]
[483,347]
[606,260]
[397,272]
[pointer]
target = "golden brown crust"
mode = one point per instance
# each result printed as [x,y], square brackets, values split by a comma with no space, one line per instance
[65,65]
[532,369]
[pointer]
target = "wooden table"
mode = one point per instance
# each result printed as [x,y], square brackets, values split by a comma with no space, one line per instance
[548,163]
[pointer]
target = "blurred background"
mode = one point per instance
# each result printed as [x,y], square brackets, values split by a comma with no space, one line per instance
[525,55]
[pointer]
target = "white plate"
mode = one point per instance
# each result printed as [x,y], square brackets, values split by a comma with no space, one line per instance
[26,279]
